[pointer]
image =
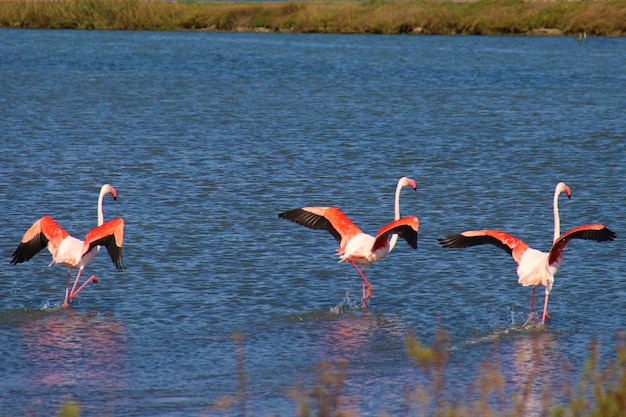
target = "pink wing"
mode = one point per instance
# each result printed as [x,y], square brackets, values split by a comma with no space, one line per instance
[596,232]
[110,235]
[510,244]
[330,219]
[406,228]
[42,232]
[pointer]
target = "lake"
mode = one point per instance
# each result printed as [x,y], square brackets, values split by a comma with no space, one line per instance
[226,309]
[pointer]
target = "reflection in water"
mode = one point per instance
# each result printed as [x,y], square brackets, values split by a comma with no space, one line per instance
[72,354]
[518,371]
[351,336]
[352,343]
[538,371]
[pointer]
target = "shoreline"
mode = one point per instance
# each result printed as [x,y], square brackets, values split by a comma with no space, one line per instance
[473,17]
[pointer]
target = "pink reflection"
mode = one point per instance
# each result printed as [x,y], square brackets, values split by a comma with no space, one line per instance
[351,343]
[350,337]
[538,370]
[74,350]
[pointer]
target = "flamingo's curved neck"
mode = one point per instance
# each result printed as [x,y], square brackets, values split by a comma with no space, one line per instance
[394,238]
[557,220]
[100,214]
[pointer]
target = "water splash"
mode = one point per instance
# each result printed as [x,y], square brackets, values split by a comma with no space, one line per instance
[50,305]
[347,303]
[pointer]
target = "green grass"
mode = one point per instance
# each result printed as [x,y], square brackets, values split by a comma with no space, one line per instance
[487,17]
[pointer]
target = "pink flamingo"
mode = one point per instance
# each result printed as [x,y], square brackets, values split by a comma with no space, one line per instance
[534,267]
[70,251]
[357,247]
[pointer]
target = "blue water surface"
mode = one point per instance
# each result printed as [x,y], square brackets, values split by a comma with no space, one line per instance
[208,136]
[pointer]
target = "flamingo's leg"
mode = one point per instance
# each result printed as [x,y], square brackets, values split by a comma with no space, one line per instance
[91,279]
[67,290]
[545,309]
[72,294]
[367,294]
[532,304]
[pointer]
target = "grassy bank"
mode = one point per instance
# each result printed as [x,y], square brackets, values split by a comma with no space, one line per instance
[486,17]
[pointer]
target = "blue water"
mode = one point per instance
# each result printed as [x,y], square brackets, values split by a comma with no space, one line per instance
[208,136]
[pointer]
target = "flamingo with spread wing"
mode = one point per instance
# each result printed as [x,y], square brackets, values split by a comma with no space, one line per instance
[356,247]
[70,251]
[534,267]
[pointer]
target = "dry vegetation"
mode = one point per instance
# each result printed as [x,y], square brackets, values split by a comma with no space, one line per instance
[599,392]
[487,17]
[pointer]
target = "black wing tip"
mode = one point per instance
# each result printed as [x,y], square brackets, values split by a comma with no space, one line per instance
[450,241]
[120,266]
[289,214]
[15,260]
[459,241]
[115,252]
[599,235]
[21,254]
[118,259]
[311,220]
[413,242]
[410,238]
[26,250]
[611,235]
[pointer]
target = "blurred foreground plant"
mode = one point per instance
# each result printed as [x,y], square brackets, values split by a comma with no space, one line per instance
[226,402]
[324,398]
[69,408]
[600,392]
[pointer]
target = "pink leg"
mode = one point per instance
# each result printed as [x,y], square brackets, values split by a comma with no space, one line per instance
[366,294]
[91,279]
[545,310]
[67,290]
[80,271]
[532,304]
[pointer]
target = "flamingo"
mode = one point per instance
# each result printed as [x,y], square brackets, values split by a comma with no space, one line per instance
[534,267]
[70,251]
[357,247]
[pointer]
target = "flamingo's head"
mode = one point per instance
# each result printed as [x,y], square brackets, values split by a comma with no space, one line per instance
[563,188]
[108,189]
[407,182]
